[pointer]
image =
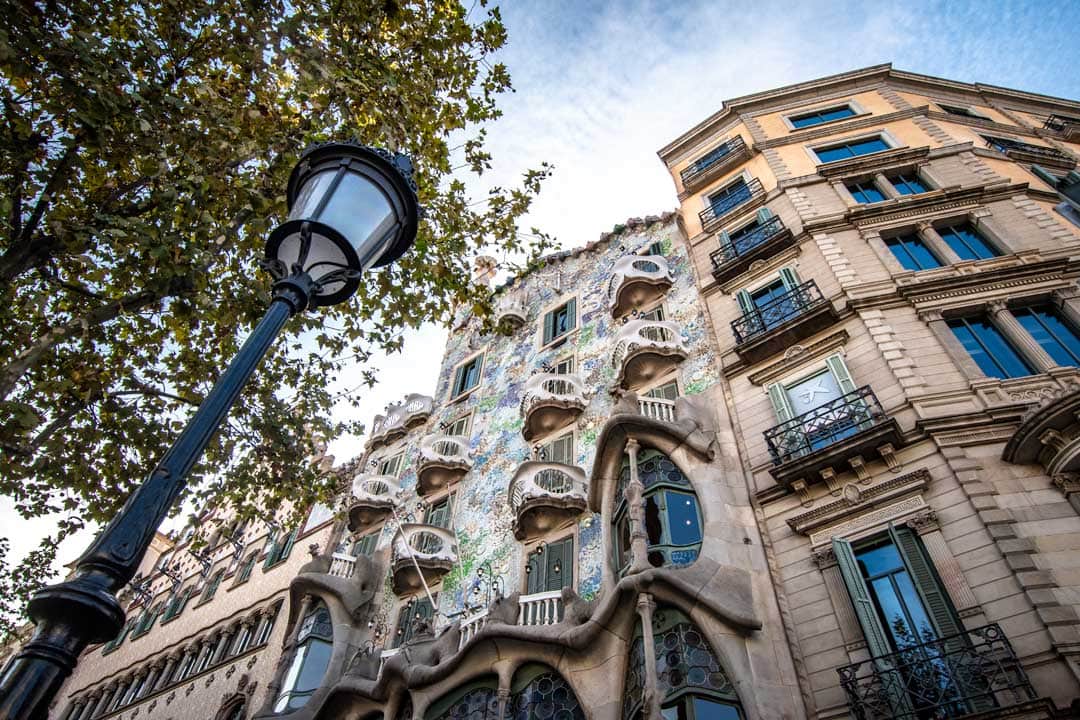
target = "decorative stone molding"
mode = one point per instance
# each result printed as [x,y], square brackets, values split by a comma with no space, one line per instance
[838,261]
[823,557]
[793,358]
[868,520]
[400,417]
[923,522]
[865,499]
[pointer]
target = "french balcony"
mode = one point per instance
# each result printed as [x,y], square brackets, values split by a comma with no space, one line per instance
[545,495]
[550,401]
[736,254]
[1026,152]
[421,551]
[636,282]
[714,163]
[411,412]
[373,498]
[660,409]
[975,671]
[511,313]
[781,322]
[646,350]
[1066,126]
[737,199]
[444,459]
[851,427]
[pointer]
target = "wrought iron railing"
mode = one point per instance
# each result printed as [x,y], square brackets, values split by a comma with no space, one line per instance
[700,166]
[777,311]
[733,199]
[821,427]
[1062,123]
[973,671]
[732,248]
[1010,146]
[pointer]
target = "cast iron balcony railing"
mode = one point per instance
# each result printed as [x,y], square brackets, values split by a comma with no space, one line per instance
[373,498]
[736,253]
[544,494]
[974,671]
[1065,125]
[637,281]
[712,161]
[823,426]
[776,312]
[400,417]
[1032,153]
[550,401]
[722,206]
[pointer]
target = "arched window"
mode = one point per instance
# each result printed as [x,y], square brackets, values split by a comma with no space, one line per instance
[314,646]
[672,516]
[234,709]
[476,701]
[689,679]
[540,693]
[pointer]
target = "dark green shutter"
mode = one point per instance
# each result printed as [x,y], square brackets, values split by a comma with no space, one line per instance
[549,326]
[365,545]
[1044,176]
[455,389]
[746,302]
[559,555]
[876,640]
[764,215]
[439,515]
[571,314]
[933,595]
[288,544]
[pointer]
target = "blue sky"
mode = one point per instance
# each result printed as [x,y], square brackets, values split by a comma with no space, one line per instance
[601,86]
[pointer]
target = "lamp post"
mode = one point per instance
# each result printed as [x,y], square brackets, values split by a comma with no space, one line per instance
[351,207]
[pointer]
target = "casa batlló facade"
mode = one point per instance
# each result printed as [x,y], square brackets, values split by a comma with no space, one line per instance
[803,449]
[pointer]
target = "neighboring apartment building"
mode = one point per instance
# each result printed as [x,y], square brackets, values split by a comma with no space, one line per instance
[205,625]
[890,264]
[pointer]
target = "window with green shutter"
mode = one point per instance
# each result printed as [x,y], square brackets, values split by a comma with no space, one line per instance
[459,426]
[560,450]
[560,321]
[280,549]
[391,465]
[467,376]
[212,586]
[244,573]
[411,612]
[439,515]
[552,568]
[365,545]
[667,391]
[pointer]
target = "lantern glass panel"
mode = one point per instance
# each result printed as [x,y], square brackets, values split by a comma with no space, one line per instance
[359,210]
[309,197]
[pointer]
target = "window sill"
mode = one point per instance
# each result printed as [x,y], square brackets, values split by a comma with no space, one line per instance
[464,395]
[853,159]
[559,341]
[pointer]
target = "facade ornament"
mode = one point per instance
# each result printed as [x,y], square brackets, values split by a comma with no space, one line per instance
[858,465]
[823,557]
[801,489]
[1067,482]
[923,522]
[1053,439]
[831,481]
[852,494]
[888,454]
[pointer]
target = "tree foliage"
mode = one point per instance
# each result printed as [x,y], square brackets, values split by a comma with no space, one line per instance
[144,151]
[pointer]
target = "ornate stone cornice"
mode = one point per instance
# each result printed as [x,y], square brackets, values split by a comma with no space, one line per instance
[865,164]
[942,200]
[796,355]
[864,499]
[984,282]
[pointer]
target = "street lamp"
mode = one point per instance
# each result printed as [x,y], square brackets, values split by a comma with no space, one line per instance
[351,207]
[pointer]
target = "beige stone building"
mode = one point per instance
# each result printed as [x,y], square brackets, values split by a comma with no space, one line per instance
[889,262]
[802,449]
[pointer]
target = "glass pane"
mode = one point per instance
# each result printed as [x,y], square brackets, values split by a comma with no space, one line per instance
[653,525]
[1057,338]
[359,210]
[705,709]
[913,605]
[872,145]
[994,356]
[833,153]
[767,294]
[908,185]
[836,113]
[684,522]
[912,253]
[967,243]
[865,192]
[879,560]
[813,392]
[893,617]
[805,121]
[670,391]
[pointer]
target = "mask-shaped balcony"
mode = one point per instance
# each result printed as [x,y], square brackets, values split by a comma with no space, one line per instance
[373,498]
[841,432]
[511,313]
[401,417]
[544,495]
[645,350]
[550,401]
[714,163]
[768,328]
[740,249]
[421,550]
[637,281]
[444,459]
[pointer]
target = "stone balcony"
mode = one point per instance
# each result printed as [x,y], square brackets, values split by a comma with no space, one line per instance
[511,313]
[636,282]
[645,350]
[549,402]
[421,551]
[401,417]
[444,459]
[545,495]
[373,498]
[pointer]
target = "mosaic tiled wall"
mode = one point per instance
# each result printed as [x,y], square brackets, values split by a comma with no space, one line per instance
[482,516]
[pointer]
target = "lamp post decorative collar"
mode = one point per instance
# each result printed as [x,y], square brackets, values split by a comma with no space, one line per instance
[351,208]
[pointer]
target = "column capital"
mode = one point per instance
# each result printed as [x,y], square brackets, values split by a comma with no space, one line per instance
[923,522]
[996,307]
[823,557]
[930,315]
[632,445]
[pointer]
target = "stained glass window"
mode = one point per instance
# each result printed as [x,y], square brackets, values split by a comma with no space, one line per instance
[540,693]
[475,701]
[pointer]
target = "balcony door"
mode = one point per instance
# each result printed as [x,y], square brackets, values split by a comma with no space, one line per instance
[552,569]
[771,305]
[814,411]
